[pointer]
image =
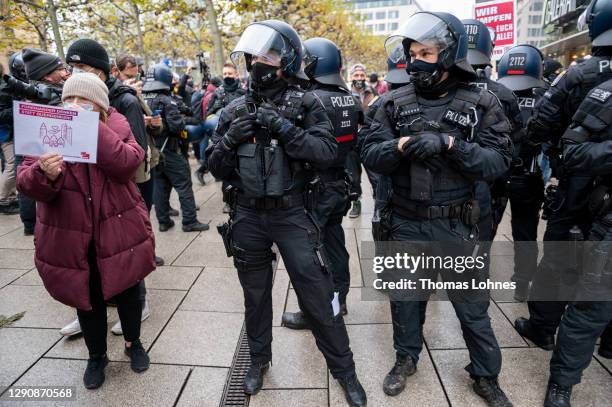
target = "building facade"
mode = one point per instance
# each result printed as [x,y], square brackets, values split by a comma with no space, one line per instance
[383,17]
[529,22]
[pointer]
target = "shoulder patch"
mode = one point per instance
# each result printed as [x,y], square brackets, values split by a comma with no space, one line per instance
[558,78]
[601,95]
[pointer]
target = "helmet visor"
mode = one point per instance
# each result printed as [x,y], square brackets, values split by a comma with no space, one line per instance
[264,43]
[424,28]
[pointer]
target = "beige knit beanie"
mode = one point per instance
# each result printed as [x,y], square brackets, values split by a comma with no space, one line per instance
[87,86]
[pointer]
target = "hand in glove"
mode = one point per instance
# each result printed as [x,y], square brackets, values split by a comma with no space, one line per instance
[426,145]
[268,117]
[240,130]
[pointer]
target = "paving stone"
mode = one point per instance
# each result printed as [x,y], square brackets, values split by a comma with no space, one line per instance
[354,263]
[296,361]
[16,240]
[41,311]
[162,303]
[198,338]
[359,312]
[30,278]
[9,224]
[169,245]
[158,386]
[17,259]
[217,289]
[372,346]
[8,275]
[442,329]
[289,398]
[202,253]
[279,295]
[172,277]
[20,348]
[607,363]
[523,378]
[204,387]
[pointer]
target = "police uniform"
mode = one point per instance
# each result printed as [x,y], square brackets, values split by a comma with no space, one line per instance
[223,97]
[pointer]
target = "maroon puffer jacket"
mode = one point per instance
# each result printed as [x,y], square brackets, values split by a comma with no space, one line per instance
[98,202]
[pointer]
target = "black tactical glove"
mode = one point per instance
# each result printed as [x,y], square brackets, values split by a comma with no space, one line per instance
[426,145]
[268,117]
[240,130]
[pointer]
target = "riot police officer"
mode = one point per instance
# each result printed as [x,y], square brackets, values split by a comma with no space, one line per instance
[173,169]
[549,120]
[266,144]
[323,64]
[492,198]
[587,149]
[436,137]
[520,69]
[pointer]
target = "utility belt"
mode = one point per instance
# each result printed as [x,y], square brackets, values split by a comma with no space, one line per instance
[268,203]
[468,211]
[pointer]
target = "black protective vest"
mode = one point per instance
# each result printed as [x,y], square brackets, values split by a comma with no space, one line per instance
[226,97]
[434,182]
[527,100]
[343,112]
[264,167]
[593,119]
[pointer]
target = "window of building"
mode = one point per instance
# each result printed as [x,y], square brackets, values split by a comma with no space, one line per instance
[380,15]
[380,27]
[367,16]
[393,14]
[535,19]
[369,27]
[393,26]
[536,6]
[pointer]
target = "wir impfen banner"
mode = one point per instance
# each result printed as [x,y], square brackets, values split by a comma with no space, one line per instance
[500,16]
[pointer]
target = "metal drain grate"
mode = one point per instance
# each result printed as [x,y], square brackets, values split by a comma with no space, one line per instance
[233,395]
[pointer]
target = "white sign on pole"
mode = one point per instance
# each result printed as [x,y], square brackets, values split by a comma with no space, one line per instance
[70,132]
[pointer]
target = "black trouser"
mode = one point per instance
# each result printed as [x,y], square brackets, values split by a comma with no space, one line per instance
[27,206]
[93,322]
[524,223]
[298,240]
[330,209]
[485,355]
[173,172]
[353,165]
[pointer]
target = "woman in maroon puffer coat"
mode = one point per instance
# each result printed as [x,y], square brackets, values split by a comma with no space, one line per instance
[93,237]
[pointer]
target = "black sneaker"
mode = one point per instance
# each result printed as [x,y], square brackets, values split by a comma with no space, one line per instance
[9,209]
[159,261]
[353,391]
[395,381]
[94,372]
[139,360]
[163,227]
[254,378]
[200,176]
[557,395]
[195,227]
[28,231]
[173,212]
[534,334]
[295,320]
[488,388]
[226,208]
[356,210]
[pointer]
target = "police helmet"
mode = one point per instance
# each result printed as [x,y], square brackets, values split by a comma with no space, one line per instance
[274,40]
[396,71]
[443,30]
[598,17]
[521,68]
[323,62]
[480,42]
[17,67]
[159,77]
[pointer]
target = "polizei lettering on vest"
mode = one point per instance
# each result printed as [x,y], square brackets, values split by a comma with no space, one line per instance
[462,120]
[342,101]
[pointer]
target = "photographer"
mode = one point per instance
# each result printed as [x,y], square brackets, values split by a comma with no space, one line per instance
[8,197]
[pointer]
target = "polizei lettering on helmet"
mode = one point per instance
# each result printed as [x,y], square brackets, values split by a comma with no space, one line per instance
[342,101]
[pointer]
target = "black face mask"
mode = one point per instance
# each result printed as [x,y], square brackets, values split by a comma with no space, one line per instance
[359,84]
[229,81]
[263,75]
[423,74]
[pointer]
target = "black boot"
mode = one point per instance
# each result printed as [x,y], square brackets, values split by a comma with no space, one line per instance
[534,334]
[488,388]
[557,395]
[343,309]
[139,360]
[254,378]
[173,212]
[395,381]
[353,391]
[295,320]
[163,227]
[94,372]
[195,227]
[159,261]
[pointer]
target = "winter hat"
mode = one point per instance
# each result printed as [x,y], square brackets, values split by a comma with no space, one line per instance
[87,86]
[89,52]
[38,64]
[357,67]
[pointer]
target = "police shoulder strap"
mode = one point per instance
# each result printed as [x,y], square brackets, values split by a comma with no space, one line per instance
[406,107]
[462,109]
[291,105]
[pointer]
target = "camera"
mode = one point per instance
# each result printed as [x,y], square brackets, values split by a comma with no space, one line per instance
[23,90]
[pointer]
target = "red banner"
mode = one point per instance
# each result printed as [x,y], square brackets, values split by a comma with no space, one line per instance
[499,15]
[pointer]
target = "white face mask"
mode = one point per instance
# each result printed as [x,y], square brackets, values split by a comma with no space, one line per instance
[78,105]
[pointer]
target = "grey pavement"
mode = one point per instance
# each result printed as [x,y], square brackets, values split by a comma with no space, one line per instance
[196,320]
